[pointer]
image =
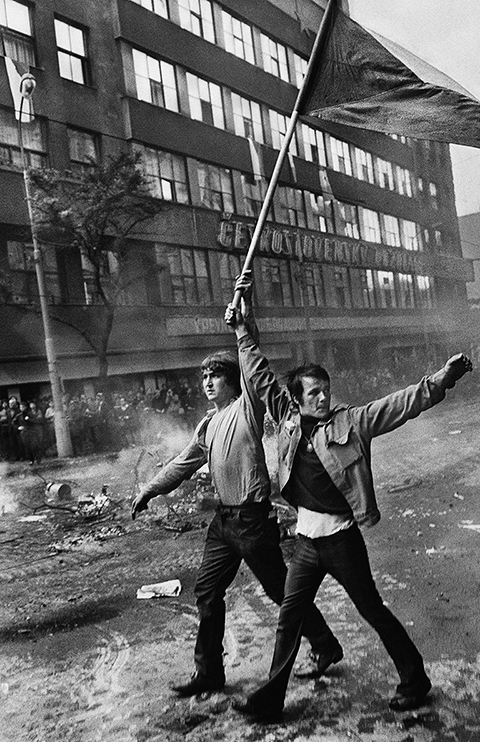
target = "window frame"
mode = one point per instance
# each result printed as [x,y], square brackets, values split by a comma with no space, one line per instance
[70,54]
[247,46]
[204,27]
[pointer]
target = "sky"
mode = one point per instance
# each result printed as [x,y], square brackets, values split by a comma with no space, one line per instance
[445,33]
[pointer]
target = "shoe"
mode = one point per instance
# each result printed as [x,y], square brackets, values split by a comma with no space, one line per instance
[405,701]
[316,664]
[246,707]
[198,684]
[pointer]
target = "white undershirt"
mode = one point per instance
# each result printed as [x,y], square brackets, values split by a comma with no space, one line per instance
[312,524]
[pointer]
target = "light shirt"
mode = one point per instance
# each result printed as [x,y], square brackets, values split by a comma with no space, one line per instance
[318,525]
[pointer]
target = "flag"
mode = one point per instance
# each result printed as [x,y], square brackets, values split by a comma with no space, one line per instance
[325,184]
[19,79]
[361,79]
[256,158]
[293,169]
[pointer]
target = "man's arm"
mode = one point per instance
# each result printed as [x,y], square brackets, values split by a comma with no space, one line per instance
[388,413]
[254,365]
[173,474]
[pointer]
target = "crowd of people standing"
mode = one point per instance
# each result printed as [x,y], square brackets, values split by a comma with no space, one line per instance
[104,422]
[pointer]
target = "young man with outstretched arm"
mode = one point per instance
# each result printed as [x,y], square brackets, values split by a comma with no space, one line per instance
[325,472]
[229,438]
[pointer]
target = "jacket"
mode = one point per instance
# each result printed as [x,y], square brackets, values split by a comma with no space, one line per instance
[343,443]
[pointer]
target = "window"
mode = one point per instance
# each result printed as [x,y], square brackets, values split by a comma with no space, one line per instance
[300,66]
[156,6]
[322,212]
[215,184]
[278,127]
[155,81]
[385,174]
[404,181]
[274,57]
[82,150]
[166,174]
[367,288]
[16,32]
[254,191]
[386,287]
[410,235]
[22,278]
[277,282]
[314,285]
[314,145]
[392,230]
[370,224]
[33,142]
[425,292]
[341,161]
[432,189]
[406,293]
[342,288]
[347,222]
[290,208]
[197,17]
[71,52]
[247,118]
[190,276]
[205,101]
[364,165]
[229,266]
[238,38]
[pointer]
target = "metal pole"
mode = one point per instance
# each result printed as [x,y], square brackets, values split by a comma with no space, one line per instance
[262,217]
[62,432]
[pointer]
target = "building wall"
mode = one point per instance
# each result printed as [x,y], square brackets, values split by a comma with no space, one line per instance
[157,331]
[470,239]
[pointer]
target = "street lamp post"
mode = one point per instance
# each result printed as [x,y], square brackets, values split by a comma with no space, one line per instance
[62,432]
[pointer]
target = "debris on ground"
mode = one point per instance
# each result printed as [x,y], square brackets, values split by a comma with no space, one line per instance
[408,483]
[169,588]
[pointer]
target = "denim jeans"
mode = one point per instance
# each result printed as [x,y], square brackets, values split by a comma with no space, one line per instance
[344,556]
[245,532]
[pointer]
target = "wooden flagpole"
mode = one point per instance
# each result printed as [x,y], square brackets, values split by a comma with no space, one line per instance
[262,217]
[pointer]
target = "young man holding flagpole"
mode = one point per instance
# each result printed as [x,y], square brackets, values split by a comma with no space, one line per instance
[325,473]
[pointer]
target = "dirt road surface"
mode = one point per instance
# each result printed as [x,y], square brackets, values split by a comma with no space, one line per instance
[83,660]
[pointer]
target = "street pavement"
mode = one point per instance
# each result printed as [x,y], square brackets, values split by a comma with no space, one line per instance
[105,672]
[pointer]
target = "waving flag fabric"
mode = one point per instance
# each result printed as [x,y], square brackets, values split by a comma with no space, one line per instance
[361,79]
[16,73]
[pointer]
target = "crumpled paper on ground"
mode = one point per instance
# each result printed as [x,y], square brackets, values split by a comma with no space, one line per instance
[170,588]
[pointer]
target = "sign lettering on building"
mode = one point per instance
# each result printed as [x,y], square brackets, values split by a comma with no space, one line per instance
[319,248]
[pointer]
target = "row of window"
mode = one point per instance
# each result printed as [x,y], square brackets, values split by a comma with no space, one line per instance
[279,282]
[216,188]
[16,30]
[82,145]
[158,82]
[211,22]
[319,286]
[221,189]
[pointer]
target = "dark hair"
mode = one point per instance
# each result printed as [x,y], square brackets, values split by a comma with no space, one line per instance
[226,363]
[294,378]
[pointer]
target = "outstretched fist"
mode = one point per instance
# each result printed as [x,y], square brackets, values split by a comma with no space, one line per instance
[458,365]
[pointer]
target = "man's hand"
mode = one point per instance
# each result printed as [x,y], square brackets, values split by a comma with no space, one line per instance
[457,366]
[140,503]
[244,284]
[234,317]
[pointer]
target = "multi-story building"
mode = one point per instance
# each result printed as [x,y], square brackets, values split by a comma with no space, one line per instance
[359,263]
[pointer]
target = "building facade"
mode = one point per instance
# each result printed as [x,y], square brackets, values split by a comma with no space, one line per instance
[360,262]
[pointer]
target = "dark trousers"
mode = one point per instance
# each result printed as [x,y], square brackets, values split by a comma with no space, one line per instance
[234,534]
[344,556]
